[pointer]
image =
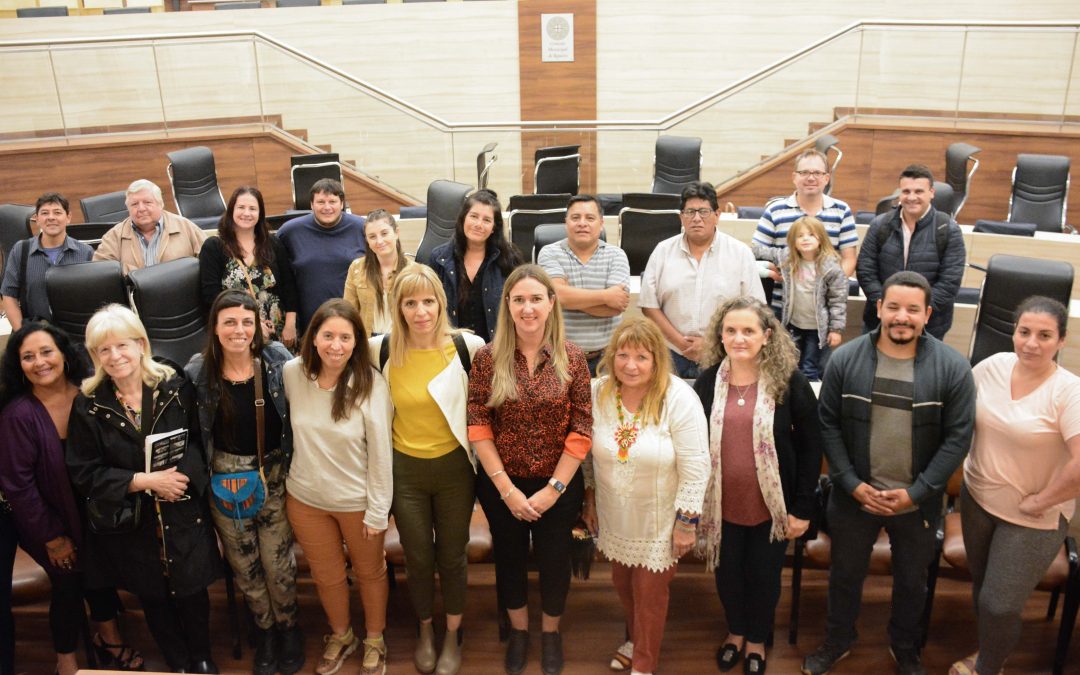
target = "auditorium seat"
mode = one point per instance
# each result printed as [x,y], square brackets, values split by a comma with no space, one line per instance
[126,10]
[76,291]
[166,298]
[305,170]
[526,212]
[193,177]
[1040,191]
[110,207]
[826,144]
[253,4]
[31,12]
[958,157]
[298,3]
[444,201]
[14,226]
[557,169]
[644,221]
[676,163]
[484,160]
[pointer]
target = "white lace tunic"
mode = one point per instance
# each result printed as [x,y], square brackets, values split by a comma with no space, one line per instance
[666,471]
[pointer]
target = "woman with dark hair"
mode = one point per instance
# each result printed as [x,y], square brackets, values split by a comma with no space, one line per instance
[39,379]
[238,372]
[149,530]
[367,285]
[246,256]
[1022,477]
[474,264]
[340,484]
[765,445]
[530,419]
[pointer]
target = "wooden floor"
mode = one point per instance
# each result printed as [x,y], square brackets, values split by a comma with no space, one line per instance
[593,626]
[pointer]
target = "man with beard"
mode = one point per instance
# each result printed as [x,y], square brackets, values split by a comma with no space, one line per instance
[897,409]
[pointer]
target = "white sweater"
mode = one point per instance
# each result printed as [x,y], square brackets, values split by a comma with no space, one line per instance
[344,465]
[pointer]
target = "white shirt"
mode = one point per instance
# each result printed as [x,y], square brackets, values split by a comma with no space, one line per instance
[689,291]
[667,470]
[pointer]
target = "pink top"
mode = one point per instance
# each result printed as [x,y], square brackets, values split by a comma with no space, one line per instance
[740,498]
[1019,445]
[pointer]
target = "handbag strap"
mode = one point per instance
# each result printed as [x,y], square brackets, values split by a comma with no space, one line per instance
[146,418]
[247,277]
[260,416]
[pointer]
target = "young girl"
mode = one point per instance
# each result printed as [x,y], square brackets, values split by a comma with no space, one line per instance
[815,293]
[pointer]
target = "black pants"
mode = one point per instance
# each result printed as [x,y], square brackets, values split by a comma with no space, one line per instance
[180,627]
[550,542]
[9,541]
[66,612]
[748,578]
[853,533]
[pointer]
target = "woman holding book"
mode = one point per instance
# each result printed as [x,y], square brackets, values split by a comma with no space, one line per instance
[148,531]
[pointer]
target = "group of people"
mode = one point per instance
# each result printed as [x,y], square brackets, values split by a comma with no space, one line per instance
[523,387]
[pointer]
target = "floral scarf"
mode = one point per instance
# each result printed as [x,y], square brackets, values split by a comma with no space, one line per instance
[765,461]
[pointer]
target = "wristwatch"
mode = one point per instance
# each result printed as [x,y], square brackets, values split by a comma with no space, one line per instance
[557,484]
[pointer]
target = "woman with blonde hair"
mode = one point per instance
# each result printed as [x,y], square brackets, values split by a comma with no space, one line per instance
[340,483]
[148,531]
[765,450]
[530,419]
[371,276]
[645,480]
[426,363]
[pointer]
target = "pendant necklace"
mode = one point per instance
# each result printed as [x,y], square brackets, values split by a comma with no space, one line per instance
[741,392]
[626,433]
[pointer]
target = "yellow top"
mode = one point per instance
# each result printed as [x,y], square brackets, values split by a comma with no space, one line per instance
[420,427]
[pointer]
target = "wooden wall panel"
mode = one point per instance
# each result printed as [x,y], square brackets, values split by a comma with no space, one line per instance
[558,91]
[874,155]
[81,171]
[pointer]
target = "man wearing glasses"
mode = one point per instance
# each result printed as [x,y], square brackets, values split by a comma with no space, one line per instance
[690,275]
[811,175]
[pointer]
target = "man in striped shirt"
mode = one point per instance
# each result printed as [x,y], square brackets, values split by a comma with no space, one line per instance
[24,289]
[811,175]
[591,277]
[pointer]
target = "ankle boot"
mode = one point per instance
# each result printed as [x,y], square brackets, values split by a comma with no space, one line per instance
[450,658]
[424,655]
[266,652]
[290,649]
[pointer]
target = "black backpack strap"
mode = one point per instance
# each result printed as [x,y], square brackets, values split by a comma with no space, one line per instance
[941,232]
[384,351]
[24,292]
[463,352]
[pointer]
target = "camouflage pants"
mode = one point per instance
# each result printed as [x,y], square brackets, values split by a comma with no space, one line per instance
[259,549]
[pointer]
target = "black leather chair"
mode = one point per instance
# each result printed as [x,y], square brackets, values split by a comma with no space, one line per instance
[30,12]
[444,201]
[644,221]
[864,217]
[526,212]
[958,158]
[195,186]
[413,211]
[1003,227]
[14,225]
[89,233]
[1009,281]
[1040,190]
[826,144]
[944,197]
[549,234]
[556,170]
[307,169]
[75,292]
[166,298]
[110,207]
[483,164]
[677,163]
[749,212]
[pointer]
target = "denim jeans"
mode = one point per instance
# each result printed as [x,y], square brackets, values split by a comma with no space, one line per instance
[684,367]
[812,356]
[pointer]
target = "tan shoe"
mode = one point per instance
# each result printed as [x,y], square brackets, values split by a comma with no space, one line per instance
[450,658]
[424,654]
[338,648]
[374,662]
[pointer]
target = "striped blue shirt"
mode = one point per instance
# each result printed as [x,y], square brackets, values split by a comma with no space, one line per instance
[37,264]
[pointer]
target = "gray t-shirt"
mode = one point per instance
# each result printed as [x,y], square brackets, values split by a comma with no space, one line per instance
[803,309]
[890,423]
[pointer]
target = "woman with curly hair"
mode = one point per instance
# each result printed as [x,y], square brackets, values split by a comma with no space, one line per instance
[765,448]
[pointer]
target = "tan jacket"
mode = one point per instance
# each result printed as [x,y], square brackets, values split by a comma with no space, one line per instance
[360,294]
[181,238]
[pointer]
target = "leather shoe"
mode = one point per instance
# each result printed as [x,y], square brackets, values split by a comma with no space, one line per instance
[754,665]
[266,652]
[727,656]
[206,666]
[290,649]
[517,651]
[551,656]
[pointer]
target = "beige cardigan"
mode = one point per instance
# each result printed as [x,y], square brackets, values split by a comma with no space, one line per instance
[360,294]
[180,238]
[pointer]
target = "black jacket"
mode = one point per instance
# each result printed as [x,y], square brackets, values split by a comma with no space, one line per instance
[104,451]
[797,436]
[882,255]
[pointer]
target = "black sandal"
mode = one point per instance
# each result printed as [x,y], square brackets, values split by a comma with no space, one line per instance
[727,656]
[123,661]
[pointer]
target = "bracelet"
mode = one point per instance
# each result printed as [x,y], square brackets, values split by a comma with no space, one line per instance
[503,497]
[687,520]
[492,475]
[685,528]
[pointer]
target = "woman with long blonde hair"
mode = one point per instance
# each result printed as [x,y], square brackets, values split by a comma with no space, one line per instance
[426,363]
[530,419]
[645,480]
[765,451]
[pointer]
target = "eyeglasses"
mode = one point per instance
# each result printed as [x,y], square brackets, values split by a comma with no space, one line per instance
[690,213]
[803,173]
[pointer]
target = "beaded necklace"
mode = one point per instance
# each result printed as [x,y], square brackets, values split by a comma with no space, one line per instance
[133,414]
[626,433]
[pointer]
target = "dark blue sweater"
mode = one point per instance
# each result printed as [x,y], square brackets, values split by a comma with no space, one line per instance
[320,259]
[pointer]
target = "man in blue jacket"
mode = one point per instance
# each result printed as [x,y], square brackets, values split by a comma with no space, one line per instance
[897,409]
[913,236]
